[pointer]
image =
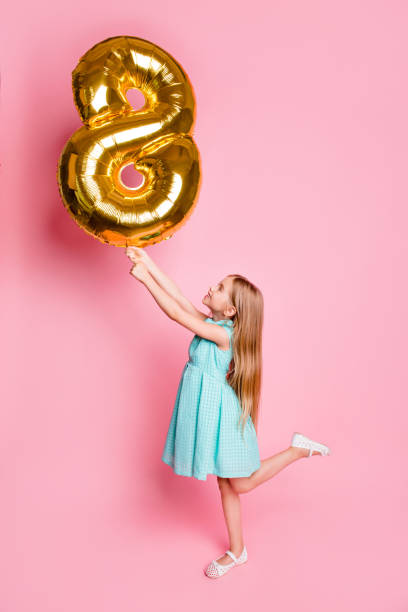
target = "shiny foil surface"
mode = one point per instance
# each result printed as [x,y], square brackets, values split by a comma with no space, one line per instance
[156,139]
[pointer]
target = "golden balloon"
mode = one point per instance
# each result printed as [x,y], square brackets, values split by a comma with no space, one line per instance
[155,139]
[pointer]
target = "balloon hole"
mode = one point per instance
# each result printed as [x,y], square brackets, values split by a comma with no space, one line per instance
[131,178]
[135,98]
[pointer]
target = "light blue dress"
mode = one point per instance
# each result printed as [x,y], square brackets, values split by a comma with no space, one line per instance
[204,436]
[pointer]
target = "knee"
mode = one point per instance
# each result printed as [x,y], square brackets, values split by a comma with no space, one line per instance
[223,484]
[240,485]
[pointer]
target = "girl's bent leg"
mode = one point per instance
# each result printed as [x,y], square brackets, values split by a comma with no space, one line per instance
[269,467]
[231,505]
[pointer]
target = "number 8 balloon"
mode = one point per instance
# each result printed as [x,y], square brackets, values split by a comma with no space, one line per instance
[155,139]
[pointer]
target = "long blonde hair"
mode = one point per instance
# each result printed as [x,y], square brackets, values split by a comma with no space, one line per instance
[245,371]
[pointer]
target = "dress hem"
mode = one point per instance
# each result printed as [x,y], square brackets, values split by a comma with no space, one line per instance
[204,476]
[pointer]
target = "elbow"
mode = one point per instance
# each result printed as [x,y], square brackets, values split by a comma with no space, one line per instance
[174,314]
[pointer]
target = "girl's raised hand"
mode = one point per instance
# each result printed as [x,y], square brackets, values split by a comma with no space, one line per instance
[140,271]
[137,254]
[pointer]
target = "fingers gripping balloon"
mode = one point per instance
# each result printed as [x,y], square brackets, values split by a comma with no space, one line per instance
[155,139]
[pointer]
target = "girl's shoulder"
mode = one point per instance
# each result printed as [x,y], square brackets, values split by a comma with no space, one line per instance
[224,322]
[227,324]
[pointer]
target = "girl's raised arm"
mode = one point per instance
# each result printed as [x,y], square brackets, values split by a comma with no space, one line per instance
[169,305]
[140,254]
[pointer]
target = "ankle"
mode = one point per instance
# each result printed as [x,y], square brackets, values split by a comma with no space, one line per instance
[299,452]
[237,550]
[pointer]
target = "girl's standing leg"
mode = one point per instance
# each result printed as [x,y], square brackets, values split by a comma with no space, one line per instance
[230,489]
[269,467]
[231,505]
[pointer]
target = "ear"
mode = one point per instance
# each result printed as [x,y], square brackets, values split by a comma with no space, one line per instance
[230,311]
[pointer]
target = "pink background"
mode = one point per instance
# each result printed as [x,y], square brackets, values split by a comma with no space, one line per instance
[302,129]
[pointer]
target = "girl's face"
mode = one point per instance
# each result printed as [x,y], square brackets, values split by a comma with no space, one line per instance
[218,298]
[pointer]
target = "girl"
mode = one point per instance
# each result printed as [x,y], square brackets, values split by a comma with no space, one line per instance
[213,428]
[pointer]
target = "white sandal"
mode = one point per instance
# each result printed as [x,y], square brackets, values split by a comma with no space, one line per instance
[215,569]
[301,441]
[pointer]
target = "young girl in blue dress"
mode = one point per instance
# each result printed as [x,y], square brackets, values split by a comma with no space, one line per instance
[213,427]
